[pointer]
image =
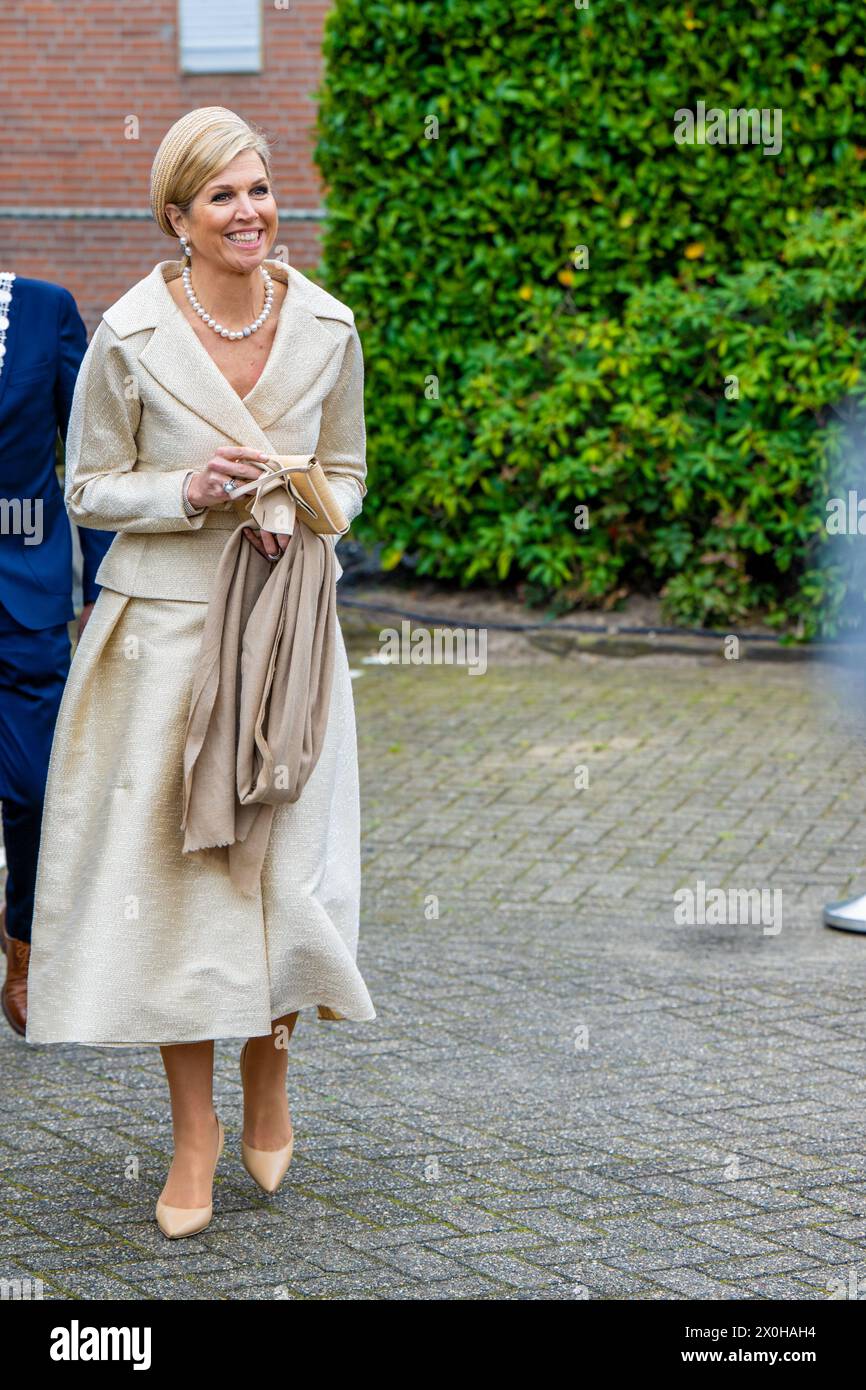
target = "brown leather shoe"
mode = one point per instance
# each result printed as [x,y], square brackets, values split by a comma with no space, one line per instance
[13,996]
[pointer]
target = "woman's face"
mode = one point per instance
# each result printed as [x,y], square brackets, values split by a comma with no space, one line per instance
[231,206]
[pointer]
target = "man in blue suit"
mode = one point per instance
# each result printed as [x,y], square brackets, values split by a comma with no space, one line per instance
[42,342]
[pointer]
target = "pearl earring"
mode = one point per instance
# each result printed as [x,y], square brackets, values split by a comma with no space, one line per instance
[185,247]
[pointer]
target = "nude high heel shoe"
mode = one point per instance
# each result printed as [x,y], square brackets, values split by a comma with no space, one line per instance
[175,1222]
[267,1167]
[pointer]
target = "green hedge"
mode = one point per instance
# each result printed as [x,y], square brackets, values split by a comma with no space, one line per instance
[505,386]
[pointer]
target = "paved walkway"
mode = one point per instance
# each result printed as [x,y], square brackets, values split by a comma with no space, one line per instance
[566,1094]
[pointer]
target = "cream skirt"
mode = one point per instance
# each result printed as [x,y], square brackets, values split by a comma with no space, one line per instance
[135,942]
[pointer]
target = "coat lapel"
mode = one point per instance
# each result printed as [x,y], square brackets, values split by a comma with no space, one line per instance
[174,357]
[301,350]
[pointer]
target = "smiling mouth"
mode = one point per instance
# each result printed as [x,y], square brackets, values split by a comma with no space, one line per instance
[245,238]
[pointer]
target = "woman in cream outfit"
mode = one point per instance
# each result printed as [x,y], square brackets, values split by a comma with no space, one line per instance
[135,942]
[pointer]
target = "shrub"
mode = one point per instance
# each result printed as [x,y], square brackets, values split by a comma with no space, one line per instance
[505,386]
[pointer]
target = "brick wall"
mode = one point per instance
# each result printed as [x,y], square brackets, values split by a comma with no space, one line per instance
[75,72]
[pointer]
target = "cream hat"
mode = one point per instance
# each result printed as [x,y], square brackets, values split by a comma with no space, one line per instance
[176,149]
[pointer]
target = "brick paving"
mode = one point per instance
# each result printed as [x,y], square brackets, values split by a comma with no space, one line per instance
[566,1094]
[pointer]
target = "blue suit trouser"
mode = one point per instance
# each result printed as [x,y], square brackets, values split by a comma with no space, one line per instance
[33,670]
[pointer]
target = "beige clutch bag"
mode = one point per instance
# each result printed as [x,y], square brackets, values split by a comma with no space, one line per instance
[291,485]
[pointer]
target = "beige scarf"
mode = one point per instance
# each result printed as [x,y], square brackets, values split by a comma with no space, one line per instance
[261,695]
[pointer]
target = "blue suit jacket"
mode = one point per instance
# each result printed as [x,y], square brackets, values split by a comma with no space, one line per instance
[45,342]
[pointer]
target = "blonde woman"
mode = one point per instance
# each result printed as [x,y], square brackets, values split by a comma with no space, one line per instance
[209,362]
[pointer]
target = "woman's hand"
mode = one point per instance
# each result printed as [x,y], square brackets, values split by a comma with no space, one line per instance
[267,543]
[206,488]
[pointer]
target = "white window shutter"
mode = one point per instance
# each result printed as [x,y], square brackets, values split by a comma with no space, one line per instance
[220,36]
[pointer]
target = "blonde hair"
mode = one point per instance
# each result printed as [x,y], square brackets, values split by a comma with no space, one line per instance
[193,151]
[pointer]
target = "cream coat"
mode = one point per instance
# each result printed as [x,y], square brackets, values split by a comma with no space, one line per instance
[154,404]
[134,942]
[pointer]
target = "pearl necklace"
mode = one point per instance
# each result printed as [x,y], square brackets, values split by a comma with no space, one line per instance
[211,322]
